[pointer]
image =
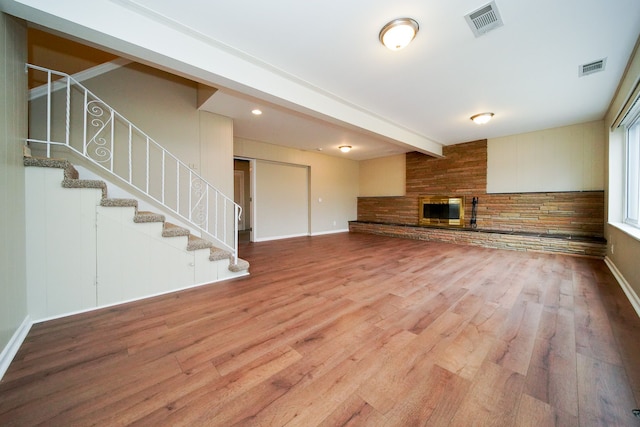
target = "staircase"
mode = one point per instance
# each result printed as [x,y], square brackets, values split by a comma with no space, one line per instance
[104,262]
[68,121]
[88,250]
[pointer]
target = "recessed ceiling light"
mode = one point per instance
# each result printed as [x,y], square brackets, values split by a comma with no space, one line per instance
[256,112]
[481,118]
[398,33]
[345,148]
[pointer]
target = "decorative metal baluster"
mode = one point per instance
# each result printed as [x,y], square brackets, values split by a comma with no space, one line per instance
[85,116]
[163,166]
[130,180]
[67,125]
[102,152]
[48,114]
[113,135]
[147,184]
[177,186]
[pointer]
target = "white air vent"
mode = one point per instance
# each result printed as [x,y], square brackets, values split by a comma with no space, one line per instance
[485,19]
[592,67]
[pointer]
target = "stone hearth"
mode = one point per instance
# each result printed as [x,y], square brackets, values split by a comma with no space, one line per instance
[511,240]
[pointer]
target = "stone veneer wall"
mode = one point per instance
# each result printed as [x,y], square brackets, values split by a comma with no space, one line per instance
[463,171]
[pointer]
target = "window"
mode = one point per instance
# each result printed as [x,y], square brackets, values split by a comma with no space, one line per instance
[633,174]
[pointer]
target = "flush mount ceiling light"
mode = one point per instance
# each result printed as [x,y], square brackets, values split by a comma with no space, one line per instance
[481,118]
[345,148]
[256,112]
[398,33]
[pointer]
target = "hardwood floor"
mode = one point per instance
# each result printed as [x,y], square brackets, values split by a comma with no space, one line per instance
[347,329]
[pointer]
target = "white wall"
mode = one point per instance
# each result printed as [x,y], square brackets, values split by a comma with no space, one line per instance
[569,158]
[13,131]
[333,183]
[384,176]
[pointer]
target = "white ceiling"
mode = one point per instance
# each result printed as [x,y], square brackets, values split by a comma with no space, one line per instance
[526,72]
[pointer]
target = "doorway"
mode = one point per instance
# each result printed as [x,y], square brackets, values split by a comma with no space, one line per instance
[242,196]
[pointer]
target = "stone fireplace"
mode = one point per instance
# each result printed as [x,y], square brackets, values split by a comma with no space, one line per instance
[564,222]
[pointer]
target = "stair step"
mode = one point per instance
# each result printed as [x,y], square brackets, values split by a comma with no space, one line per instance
[86,183]
[241,265]
[173,230]
[218,254]
[146,216]
[70,172]
[196,243]
[119,203]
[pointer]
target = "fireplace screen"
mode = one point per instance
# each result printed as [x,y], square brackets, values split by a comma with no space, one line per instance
[441,210]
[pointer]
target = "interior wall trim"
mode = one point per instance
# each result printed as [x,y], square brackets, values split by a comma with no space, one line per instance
[12,347]
[323,233]
[626,287]
[288,236]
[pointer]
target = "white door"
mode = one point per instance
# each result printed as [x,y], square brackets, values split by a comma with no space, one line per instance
[281,205]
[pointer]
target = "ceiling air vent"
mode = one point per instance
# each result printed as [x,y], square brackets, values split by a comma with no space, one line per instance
[592,67]
[485,19]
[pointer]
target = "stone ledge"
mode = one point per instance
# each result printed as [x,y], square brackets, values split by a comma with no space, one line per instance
[519,241]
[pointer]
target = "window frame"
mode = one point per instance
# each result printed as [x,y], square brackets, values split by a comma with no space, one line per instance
[632,164]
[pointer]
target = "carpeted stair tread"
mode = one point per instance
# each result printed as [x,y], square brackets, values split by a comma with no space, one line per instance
[86,183]
[241,265]
[173,230]
[218,254]
[196,243]
[119,203]
[70,172]
[146,216]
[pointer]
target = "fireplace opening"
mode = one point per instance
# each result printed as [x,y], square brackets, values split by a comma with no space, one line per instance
[441,210]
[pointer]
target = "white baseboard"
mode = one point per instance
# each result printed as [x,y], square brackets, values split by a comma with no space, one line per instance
[290,236]
[626,287]
[322,233]
[12,347]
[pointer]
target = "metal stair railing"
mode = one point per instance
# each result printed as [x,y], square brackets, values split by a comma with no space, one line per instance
[80,121]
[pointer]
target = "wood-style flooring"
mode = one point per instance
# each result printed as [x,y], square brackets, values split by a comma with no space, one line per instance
[347,329]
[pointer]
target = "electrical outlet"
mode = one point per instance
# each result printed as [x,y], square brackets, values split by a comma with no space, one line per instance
[613,249]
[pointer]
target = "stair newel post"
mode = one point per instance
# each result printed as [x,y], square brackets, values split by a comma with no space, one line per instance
[237,213]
